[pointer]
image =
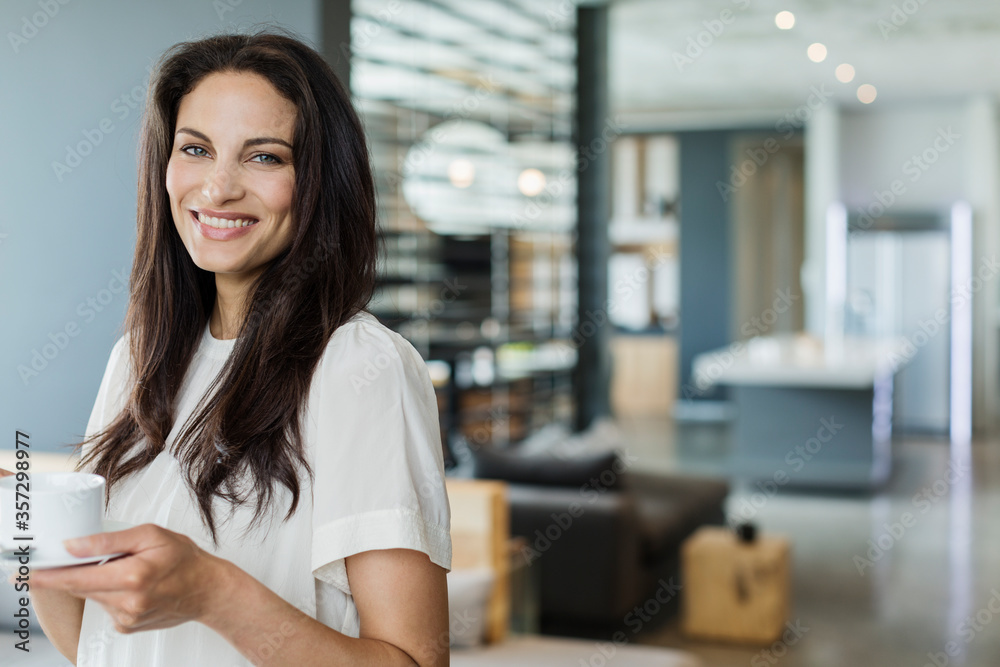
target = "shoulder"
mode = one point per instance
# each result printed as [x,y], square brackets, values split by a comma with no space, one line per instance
[119,359]
[119,374]
[364,332]
[113,390]
[120,348]
[363,352]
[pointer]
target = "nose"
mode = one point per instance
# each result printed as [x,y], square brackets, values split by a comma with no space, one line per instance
[222,183]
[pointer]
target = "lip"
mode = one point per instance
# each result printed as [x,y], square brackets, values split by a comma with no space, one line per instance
[225,215]
[216,234]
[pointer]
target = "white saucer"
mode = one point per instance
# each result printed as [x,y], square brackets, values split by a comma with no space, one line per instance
[9,563]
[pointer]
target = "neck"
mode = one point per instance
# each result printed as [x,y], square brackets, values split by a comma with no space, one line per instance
[229,308]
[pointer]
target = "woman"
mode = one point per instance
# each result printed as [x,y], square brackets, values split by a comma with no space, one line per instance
[276,447]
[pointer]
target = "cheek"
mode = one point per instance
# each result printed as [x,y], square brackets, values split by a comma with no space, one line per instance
[172,185]
[281,194]
[179,181]
[173,182]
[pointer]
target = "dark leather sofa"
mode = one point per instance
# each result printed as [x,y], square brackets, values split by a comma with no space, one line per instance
[605,538]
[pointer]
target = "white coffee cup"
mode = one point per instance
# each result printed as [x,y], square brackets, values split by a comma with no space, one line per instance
[56,506]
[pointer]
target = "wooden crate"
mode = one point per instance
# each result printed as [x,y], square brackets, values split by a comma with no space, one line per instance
[735,591]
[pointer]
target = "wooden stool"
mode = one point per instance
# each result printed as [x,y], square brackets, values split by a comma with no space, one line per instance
[734,590]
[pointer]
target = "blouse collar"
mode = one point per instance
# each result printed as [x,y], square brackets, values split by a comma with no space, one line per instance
[213,347]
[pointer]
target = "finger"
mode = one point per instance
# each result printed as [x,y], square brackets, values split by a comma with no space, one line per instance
[86,580]
[130,540]
[112,601]
[127,619]
[122,620]
[5,473]
[159,624]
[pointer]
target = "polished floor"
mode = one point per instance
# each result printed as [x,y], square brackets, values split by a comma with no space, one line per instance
[931,596]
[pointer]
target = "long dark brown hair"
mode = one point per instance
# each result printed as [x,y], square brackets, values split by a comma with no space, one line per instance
[250,424]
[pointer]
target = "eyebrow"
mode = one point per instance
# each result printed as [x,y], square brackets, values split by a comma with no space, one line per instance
[246,144]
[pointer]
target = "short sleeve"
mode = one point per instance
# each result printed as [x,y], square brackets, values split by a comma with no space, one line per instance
[378,463]
[112,393]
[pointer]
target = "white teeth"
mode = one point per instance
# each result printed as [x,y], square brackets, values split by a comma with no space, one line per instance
[224,223]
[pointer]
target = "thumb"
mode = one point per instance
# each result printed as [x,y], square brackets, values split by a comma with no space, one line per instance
[99,544]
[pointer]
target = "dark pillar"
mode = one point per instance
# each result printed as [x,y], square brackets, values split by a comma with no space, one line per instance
[335,24]
[593,372]
[705,258]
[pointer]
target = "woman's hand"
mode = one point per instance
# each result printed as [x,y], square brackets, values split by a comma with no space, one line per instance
[165,579]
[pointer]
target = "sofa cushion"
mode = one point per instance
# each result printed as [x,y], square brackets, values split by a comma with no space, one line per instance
[597,469]
[671,507]
[662,526]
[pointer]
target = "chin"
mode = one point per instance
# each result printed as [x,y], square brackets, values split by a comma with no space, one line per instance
[215,264]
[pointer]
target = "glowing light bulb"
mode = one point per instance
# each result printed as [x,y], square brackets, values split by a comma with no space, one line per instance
[816,52]
[784,20]
[844,73]
[531,182]
[867,93]
[461,173]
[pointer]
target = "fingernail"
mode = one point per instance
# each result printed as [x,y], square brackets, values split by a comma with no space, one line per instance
[75,543]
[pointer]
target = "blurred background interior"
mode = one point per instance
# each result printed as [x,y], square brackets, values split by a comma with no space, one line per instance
[673,265]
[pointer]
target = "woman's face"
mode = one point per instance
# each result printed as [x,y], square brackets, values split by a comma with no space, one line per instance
[230,176]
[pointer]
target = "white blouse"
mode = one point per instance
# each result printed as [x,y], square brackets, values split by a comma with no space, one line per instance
[372,438]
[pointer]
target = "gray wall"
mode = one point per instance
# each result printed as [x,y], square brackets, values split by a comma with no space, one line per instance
[66,237]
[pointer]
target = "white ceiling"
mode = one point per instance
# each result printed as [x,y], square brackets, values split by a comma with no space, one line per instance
[945,49]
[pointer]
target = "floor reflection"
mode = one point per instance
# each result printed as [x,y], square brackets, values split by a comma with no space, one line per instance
[923,592]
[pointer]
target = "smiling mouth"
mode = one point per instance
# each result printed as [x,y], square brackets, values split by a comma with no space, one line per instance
[224,223]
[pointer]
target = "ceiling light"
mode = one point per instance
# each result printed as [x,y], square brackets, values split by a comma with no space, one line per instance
[461,173]
[816,52]
[531,182]
[867,93]
[845,73]
[785,20]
